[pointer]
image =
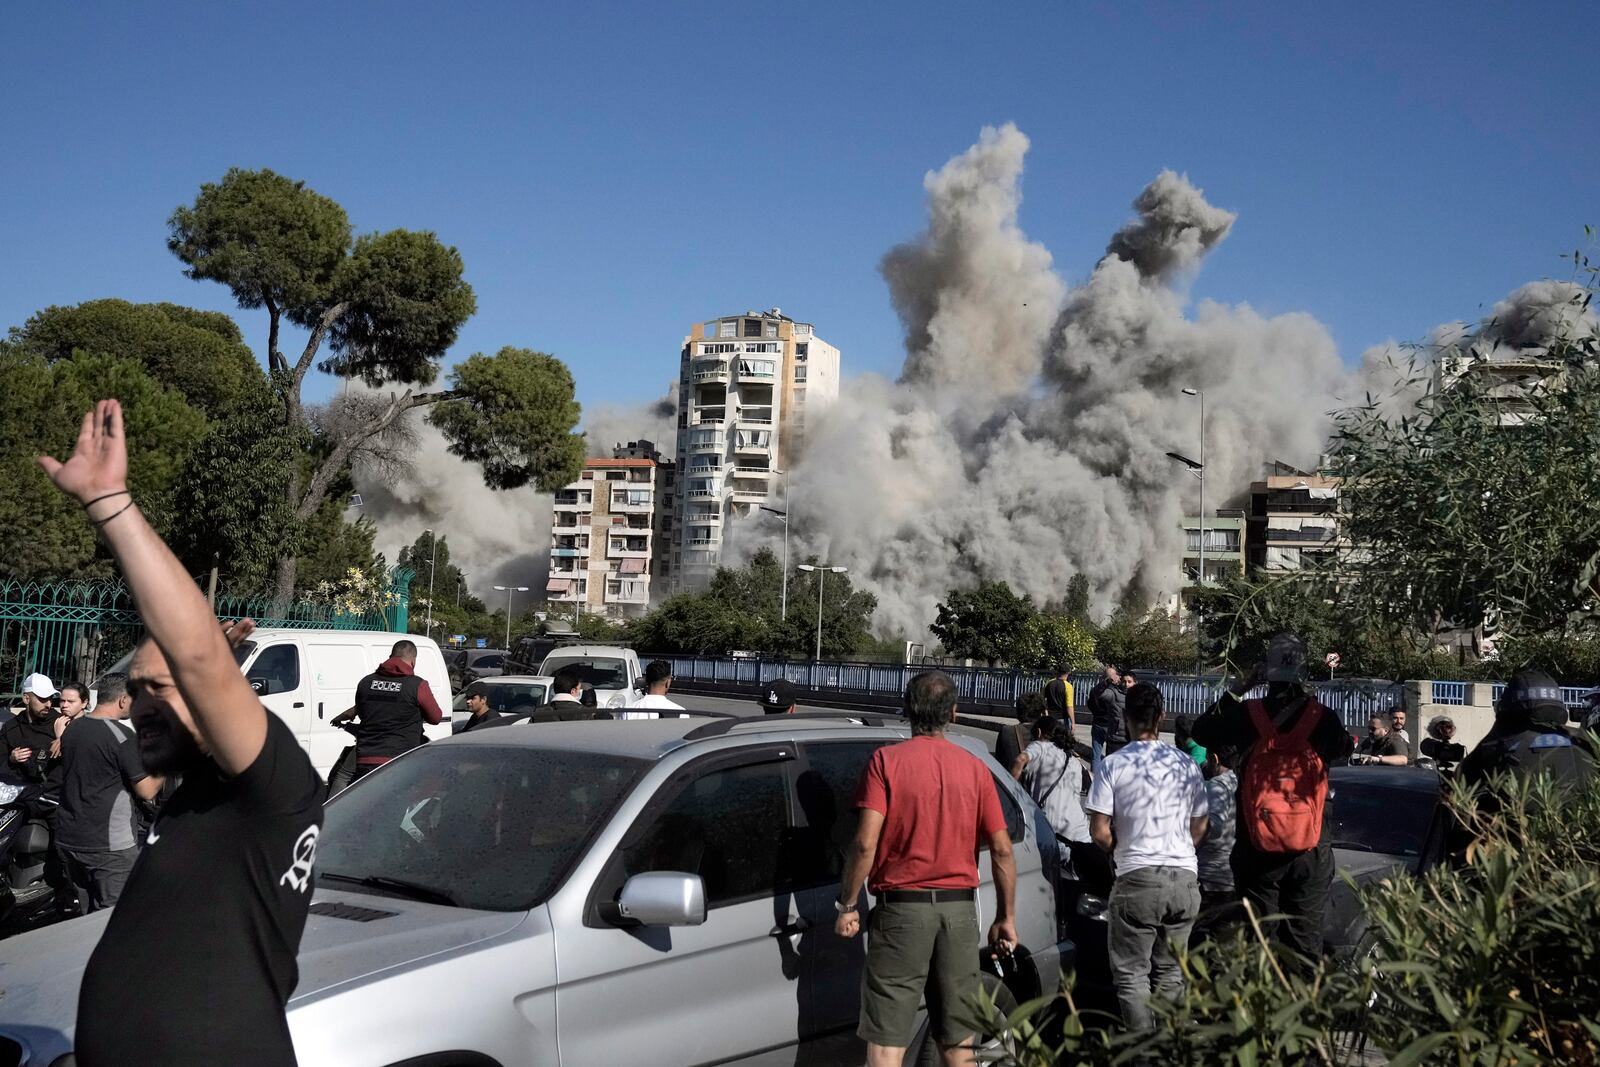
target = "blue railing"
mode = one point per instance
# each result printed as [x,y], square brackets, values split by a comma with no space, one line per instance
[1571,695]
[1450,693]
[990,690]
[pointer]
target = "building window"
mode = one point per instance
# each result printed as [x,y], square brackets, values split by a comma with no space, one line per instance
[802,350]
[752,328]
[587,476]
[728,329]
[614,476]
[800,373]
[772,329]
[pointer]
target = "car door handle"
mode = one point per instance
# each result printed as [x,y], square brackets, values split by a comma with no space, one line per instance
[791,929]
[298,704]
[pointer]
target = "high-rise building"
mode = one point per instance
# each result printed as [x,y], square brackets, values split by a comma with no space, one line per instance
[1294,521]
[746,385]
[605,530]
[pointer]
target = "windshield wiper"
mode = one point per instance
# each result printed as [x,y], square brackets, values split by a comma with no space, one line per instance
[413,890]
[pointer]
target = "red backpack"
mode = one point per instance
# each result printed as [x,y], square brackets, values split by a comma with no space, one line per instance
[1285,783]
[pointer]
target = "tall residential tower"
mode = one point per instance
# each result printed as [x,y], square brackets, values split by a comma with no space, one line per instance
[746,384]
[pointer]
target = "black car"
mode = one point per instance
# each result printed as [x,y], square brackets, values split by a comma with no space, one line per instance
[1380,821]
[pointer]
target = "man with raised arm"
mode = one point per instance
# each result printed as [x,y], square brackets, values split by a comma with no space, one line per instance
[198,959]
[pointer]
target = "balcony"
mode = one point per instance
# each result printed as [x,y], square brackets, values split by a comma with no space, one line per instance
[632,503]
[715,442]
[704,542]
[753,472]
[569,553]
[749,494]
[704,492]
[710,417]
[628,593]
[701,518]
[755,417]
[709,372]
[629,548]
[759,370]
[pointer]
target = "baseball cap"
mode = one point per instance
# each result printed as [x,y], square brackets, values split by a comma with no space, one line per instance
[779,695]
[1286,659]
[39,685]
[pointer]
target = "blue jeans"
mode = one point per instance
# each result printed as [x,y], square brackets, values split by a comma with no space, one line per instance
[1097,752]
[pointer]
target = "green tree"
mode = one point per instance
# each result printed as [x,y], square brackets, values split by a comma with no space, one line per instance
[846,613]
[1148,640]
[40,534]
[387,306]
[199,353]
[988,623]
[1050,639]
[1477,505]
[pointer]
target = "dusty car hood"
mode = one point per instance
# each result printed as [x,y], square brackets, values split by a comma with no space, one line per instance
[1346,921]
[40,971]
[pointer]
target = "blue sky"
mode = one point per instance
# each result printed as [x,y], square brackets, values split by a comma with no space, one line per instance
[612,173]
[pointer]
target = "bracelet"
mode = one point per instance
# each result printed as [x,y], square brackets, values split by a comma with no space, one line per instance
[114,514]
[108,496]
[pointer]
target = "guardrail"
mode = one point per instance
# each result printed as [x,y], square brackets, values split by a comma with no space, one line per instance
[988,690]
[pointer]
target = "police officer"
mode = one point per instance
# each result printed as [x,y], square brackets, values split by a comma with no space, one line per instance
[392,703]
[1530,736]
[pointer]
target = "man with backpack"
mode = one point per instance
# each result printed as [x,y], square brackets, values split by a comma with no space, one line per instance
[1287,740]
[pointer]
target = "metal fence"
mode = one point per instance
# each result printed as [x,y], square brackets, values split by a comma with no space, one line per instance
[992,690]
[72,630]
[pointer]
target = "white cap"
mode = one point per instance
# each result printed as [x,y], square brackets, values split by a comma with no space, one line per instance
[39,685]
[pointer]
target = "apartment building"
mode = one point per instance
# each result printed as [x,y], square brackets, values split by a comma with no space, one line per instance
[1294,520]
[1224,543]
[604,531]
[747,384]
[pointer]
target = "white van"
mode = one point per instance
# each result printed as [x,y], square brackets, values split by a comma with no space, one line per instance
[306,677]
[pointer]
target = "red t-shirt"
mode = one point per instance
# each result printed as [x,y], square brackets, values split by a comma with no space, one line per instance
[939,805]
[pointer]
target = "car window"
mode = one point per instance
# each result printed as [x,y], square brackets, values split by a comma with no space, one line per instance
[727,826]
[826,793]
[517,695]
[490,827]
[1012,810]
[489,662]
[276,670]
[600,673]
[1367,817]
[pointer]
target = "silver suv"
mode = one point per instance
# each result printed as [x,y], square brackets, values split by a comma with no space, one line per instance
[584,894]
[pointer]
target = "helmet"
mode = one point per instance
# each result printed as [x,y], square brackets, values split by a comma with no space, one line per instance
[1591,710]
[1285,659]
[1532,697]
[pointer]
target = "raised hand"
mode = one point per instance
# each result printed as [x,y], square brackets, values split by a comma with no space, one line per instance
[98,465]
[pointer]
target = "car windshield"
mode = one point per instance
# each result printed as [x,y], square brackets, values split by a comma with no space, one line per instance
[1372,817]
[600,673]
[478,826]
[519,697]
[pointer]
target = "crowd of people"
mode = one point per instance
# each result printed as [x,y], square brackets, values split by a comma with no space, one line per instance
[1229,814]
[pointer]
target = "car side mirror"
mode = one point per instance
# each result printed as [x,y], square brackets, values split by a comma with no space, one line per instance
[663,898]
[259,686]
[639,685]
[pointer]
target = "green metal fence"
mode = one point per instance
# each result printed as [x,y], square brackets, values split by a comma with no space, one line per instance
[73,630]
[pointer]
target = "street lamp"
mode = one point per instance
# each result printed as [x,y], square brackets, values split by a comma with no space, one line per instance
[822,570]
[433,554]
[508,590]
[1200,472]
[783,513]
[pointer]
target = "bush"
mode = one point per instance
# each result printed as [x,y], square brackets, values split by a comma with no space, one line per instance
[1492,962]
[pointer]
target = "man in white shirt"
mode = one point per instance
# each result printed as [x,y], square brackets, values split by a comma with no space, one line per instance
[657,681]
[1148,807]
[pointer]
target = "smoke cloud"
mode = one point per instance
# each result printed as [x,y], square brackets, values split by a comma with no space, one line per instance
[610,425]
[1026,438]
[496,538]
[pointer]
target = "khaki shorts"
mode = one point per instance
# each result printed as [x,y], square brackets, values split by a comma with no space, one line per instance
[917,947]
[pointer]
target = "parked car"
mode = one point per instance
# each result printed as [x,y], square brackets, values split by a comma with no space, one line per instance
[612,670]
[508,694]
[467,665]
[306,677]
[1379,819]
[589,894]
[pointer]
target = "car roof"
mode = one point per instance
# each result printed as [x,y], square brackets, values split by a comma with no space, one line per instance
[1414,779]
[513,679]
[653,739]
[580,651]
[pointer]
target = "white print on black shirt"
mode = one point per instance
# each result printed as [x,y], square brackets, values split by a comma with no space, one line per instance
[298,876]
[152,837]
[379,686]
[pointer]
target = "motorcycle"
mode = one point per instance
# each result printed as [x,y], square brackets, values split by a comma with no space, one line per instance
[26,899]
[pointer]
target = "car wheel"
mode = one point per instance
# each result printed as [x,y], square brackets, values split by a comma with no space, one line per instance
[924,1050]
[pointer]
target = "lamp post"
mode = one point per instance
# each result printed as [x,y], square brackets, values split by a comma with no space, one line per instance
[508,590]
[822,570]
[1199,471]
[433,554]
[1201,474]
[783,513]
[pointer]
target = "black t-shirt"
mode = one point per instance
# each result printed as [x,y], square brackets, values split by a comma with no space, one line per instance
[1055,698]
[99,766]
[487,721]
[1014,737]
[23,732]
[198,960]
